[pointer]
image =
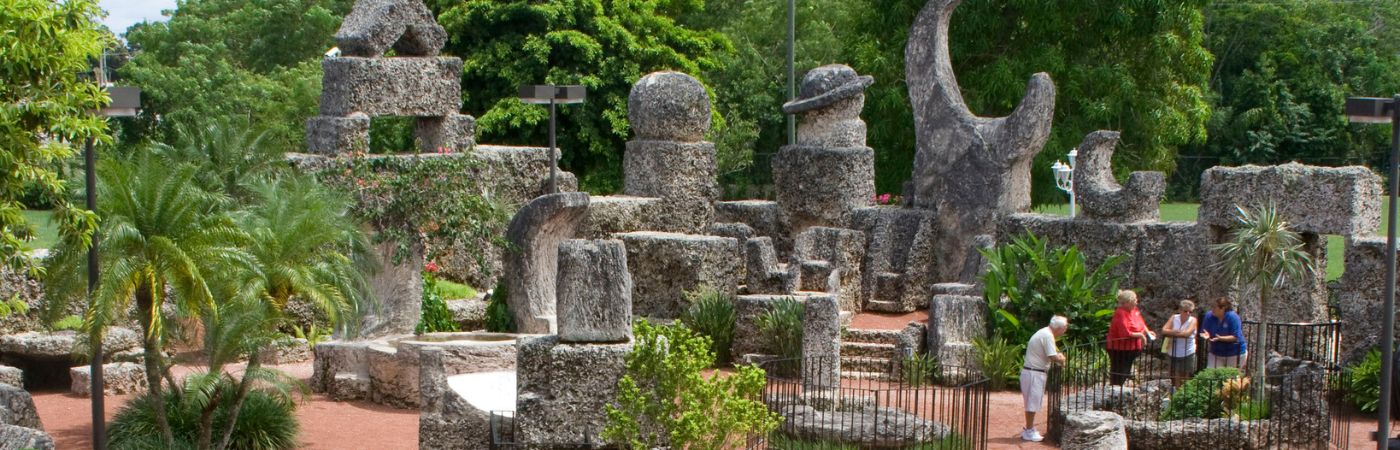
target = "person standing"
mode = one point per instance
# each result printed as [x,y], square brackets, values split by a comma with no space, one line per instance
[1180,333]
[1040,353]
[1223,329]
[1126,335]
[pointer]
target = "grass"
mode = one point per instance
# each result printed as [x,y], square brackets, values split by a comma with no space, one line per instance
[1186,212]
[454,291]
[46,232]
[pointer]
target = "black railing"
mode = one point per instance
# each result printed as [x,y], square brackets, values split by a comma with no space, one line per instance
[1302,410]
[892,404]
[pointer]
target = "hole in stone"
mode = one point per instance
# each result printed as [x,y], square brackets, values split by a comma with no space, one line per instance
[43,374]
[391,135]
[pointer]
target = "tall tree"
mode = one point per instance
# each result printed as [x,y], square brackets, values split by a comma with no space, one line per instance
[605,45]
[45,111]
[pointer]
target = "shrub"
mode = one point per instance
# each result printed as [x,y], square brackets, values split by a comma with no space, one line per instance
[664,400]
[780,441]
[1361,383]
[435,317]
[1038,282]
[498,318]
[781,328]
[712,315]
[68,323]
[999,360]
[1199,397]
[918,370]
[313,335]
[266,421]
[1252,410]
[1084,364]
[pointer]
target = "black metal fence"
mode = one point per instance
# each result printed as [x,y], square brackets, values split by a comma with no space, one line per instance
[1164,400]
[890,404]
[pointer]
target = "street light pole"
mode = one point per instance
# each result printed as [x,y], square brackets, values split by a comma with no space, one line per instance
[542,94]
[553,153]
[792,69]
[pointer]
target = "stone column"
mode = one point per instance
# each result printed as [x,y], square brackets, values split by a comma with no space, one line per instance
[669,159]
[830,172]
[821,343]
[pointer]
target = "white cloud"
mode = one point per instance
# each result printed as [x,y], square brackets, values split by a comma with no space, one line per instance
[122,14]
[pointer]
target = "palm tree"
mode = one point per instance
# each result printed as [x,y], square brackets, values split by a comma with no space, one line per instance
[230,155]
[1264,253]
[160,235]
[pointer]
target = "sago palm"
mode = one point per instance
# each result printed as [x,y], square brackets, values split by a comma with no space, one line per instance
[1262,252]
[160,234]
[230,155]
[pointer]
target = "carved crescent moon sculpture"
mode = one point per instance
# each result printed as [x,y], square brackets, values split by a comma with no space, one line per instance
[971,169]
[1101,197]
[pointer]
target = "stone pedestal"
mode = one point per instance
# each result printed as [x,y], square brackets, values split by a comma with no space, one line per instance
[594,292]
[532,264]
[665,266]
[683,174]
[821,186]
[399,288]
[821,343]
[563,387]
[954,321]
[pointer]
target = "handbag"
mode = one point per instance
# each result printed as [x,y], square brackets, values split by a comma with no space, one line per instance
[1166,346]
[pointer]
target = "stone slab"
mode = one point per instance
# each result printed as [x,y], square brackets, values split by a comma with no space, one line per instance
[665,266]
[562,388]
[454,133]
[594,292]
[63,345]
[326,135]
[117,379]
[611,214]
[375,26]
[418,87]
[1322,200]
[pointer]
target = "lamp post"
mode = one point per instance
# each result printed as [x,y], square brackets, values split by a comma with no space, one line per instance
[1384,110]
[547,94]
[1064,177]
[126,102]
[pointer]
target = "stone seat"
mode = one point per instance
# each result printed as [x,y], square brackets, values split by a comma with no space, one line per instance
[117,379]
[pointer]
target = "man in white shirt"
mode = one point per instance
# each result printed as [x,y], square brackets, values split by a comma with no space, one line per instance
[1040,353]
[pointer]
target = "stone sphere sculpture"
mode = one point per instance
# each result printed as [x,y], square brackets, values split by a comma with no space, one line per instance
[669,106]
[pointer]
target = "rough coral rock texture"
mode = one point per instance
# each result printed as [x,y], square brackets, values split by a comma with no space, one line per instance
[12,376]
[453,132]
[594,292]
[747,309]
[1361,296]
[23,438]
[970,169]
[764,216]
[117,379]
[1099,194]
[765,275]
[954,321]
[842,251]
[1094,430]
[739,232]
[447,421]
[899,262]
[562,389]
[336,358]
[398,286]
[665,266]
[610,214]
[669,106]
[63,345]
[823,186]
[419,87]
[1296,401]
[337,135]
[821,343]
[831,98]
[375,26]
[865,425]
[683,174]
[294,351]
[531,266]
[17,408]
[1322,200]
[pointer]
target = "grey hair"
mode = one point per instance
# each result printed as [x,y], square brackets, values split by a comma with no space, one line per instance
[1059,323]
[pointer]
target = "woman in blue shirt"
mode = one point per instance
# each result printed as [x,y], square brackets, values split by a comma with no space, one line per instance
[1224,331]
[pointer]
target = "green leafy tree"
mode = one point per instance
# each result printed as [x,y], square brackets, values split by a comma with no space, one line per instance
[664,400]
[45,111]
[161,235]
[217,58]
[1262,254]
[605,45]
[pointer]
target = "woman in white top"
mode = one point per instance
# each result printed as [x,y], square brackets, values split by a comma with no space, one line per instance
[1180,333]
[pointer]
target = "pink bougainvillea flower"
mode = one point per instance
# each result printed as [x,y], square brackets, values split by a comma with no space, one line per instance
[431,267]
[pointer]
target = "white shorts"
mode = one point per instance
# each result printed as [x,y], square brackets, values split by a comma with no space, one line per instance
[1032,389]
[1237,361]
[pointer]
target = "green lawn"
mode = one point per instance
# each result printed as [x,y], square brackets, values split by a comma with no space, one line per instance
[1186,212]
[47,232]
[453,291]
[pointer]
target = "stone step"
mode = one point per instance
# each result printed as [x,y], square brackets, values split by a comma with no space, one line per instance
[861,364]
[880,376]
[888,306]
[871,336]
[867,349]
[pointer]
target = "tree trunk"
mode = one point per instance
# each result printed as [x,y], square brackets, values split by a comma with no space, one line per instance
[1261,352]
[243,387]
[146,306]
[206,419]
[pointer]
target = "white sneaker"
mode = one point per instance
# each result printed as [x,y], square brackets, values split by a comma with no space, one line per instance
[1030,434]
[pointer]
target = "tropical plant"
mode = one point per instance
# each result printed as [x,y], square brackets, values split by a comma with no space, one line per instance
[231,155]
[1028,282]
[1085,364]
[435,316]
[267,421]
[70,322]
[45,112]
[920,369]
[1199,397]
[312,334]
[1361,383]
[498,318]
[452,291]
[999,359]
[1262,253]
[781,327]
[663,398]
[712,315]
[161,235]
[1251,410]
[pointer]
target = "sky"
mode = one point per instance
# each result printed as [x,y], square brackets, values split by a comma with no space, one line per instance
[122,14]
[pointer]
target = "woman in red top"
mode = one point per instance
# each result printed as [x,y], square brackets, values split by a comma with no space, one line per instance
[1126,335]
